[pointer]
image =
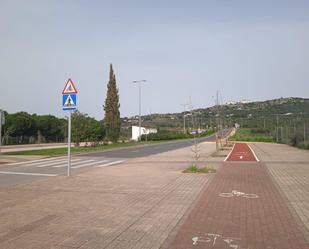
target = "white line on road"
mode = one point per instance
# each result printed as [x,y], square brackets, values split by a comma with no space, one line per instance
[89,164]
[134,151]
[24,173]
[229,153]
[29,164]
[56,163]
[35,161]
[256,158]
[74,163]
[110,164]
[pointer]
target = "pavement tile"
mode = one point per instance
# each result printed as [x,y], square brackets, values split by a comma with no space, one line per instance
[133,205]
[239,222]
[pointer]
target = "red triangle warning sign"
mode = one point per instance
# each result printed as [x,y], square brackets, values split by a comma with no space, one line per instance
[69,88]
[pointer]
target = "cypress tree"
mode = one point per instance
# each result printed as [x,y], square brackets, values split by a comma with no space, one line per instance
[111,108]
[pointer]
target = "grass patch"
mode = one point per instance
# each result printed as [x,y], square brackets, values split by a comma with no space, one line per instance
[194,169]
[252,135]
[74,150]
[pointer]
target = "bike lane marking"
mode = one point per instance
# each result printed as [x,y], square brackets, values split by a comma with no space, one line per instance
[241,152]
[252,151]
[242,223]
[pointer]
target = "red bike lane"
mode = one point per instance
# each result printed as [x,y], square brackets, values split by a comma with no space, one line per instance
[242,152]
[241,209]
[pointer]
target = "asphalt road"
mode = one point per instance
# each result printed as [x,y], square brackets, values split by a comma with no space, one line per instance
[149,149]
[24,172]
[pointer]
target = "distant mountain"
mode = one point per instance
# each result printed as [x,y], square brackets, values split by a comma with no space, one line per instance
[252,114]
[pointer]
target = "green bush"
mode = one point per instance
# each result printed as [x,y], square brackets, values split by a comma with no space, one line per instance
[252,135]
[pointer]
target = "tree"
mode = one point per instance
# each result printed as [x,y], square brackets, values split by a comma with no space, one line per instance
[86,129]
[50,127]
[20,125]
[111,108]
[79,126]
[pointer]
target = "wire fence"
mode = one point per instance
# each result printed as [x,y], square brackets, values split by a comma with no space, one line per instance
[287,129]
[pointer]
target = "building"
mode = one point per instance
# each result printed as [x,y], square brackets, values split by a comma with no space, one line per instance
[144,131]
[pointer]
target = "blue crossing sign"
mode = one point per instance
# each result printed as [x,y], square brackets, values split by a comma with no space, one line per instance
[69,102]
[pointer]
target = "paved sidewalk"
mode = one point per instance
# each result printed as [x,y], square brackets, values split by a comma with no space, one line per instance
[289,167]
[242,208]
[134,205]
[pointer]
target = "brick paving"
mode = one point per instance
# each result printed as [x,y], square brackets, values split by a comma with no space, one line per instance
[289,167]
[235,219]
[133,205]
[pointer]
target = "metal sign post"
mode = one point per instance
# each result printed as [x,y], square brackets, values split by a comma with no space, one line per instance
[69,144]
[69,104]
[1,129]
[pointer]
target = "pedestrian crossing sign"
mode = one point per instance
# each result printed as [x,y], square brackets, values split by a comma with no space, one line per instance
[69,101]
[69,88]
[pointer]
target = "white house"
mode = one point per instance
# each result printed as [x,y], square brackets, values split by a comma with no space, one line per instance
[144,131]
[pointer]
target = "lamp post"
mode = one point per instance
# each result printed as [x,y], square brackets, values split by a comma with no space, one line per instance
[140,106]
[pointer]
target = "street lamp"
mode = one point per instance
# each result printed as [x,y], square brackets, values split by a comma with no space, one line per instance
[140,106]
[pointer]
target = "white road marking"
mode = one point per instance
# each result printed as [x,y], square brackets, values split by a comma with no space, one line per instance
[212,238]
[64,164]
[238,194]
[34,161]
[89,164]
[253,153]
[134,151]
[110,164]
[24,173]
[56,163]
[29,164]
[229,153]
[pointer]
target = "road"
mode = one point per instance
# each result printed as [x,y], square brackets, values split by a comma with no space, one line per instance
[24,172]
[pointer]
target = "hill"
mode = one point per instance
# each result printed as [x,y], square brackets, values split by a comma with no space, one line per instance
[262,114]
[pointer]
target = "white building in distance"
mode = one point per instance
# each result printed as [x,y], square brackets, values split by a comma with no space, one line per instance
[144,131]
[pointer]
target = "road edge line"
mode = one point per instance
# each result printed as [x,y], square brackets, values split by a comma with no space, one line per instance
[256,158]
[25,173]
[229,153]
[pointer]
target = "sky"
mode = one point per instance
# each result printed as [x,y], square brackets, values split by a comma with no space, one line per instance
[246,49]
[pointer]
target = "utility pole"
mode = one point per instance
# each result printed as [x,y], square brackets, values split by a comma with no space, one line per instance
[184,118]
[210,123]
[218,119]
[277,129]
[140,107]
[1,123]
[304,133]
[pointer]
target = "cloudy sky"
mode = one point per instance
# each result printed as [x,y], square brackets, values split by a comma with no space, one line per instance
[246,49]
